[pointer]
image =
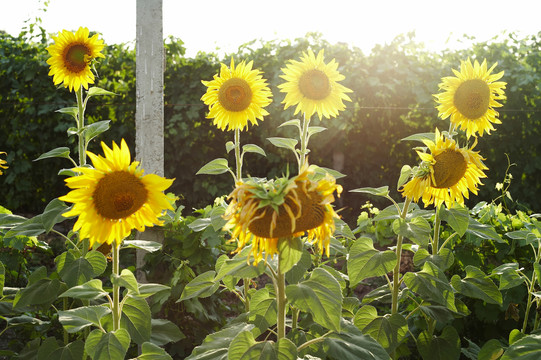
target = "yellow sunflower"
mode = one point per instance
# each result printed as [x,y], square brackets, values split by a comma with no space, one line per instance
[71,55]
[471,96]
[115,197]
[447,174]
[264,211]
[2,163]
[237,95]
[313,86]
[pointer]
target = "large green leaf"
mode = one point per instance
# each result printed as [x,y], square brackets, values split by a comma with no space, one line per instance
[321,296]
[444,259]
[149,351]
[285,143]
[527,348]
[289,252]
[483,231]
[146,245]
[245,347]
[90,290]
[491,350]
[72,351]
[365,261]
[60,152]
[298,271]
[251,148]
[432,285]
[215,167]
[351,344]
[477,285]
[135,318]
[164,331]
[381,191]
[388,330]
[107,346]
[416,229]
[41,292]
[239,267]
[127,280]
[444,347]
[77,319]
[216,345]
[97,261]
[458,218]
[203,286]
[263,310]
[74,270]
[95,129]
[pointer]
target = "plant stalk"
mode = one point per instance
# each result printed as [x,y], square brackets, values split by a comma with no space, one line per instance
[238,158]
[304,141]
[437,223]
[281,302]
[396,271]
[80,126]
[116,287]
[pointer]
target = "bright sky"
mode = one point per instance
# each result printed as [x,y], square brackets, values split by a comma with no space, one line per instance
[205,25]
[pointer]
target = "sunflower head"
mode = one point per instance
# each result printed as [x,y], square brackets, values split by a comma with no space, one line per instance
[237,96]
[313,86]
[114,197]
[71,56]
[263,211]
[470,97]
[2,163]
[447,174]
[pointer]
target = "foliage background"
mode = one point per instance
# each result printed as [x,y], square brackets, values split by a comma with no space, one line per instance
[392,98]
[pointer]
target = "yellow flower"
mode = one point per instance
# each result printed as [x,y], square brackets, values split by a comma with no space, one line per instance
[236,96]
[115,197]
[2,163]
[471,96]
[71,55]
[447,174]
[264,211]
[313,86]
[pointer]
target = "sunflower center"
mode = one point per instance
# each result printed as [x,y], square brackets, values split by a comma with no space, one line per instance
[235,94]
[76,57]
[472,98]
[314,84]
[449,168]
[118,195]
[312,216]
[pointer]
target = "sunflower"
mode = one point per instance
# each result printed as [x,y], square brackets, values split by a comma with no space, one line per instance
[264,211]
[236,96]
[2,163]
[471,96]
[71,55]
[115,197]
[447,174]
[313,86]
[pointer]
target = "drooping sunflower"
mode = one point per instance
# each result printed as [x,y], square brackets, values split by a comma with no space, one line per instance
[313,86]
[237,95]
[71,56]
[447,174]
[263,211]
[470,97]
[2,163]
[115,197]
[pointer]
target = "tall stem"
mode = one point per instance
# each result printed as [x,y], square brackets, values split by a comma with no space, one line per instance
[238,159]
[396,271]
[281,302]
[304,141]
[116,287]
[437,223]
[80,125]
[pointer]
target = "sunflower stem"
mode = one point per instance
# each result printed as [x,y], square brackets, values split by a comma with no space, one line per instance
[304,141]
[396,271]
[80,126]
[238,158]
[531,290]
[281,302]
[437,223]
[116,287]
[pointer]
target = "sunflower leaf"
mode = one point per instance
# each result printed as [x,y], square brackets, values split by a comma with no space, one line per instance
[93,91]
[215,167]
[293,122]
[229,146]
[381,191]
[93,130]
[405,174]
[61,152]
[73,111]
[285,143]
[251,148]
[420,137]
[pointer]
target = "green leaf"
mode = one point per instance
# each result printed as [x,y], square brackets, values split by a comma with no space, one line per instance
[60,152]
[43,291]
[416,229]
[285,143]
[320,296]
[315,129]
[491,350]
[444,347]
[263,310]
[432,285]
[216,345]
[251,148]
[458,218]
[239,267]
[215,167]
[483,231]
[75,320]
[2,278]
[164,331]
[47,347]
[149,351]
[146,245]
[405,174]
[293,122]
[527,348]
[477,285]
[381,191]
[297,272]
[97,261]
[515,335]
[245,347]
[91,290]
[107,346]
[149,289]
[230,145]
[95,129]
[126,279]
[289,252]
[350,344]
[365,261]
[94,90]
[420,137]
[73,111]
[52,214]
[74,270]
[389,330]
[74,350]
[444,259]
[203,285]
[136,319]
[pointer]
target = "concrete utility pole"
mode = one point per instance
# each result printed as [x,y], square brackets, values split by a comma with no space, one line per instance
[149,148]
